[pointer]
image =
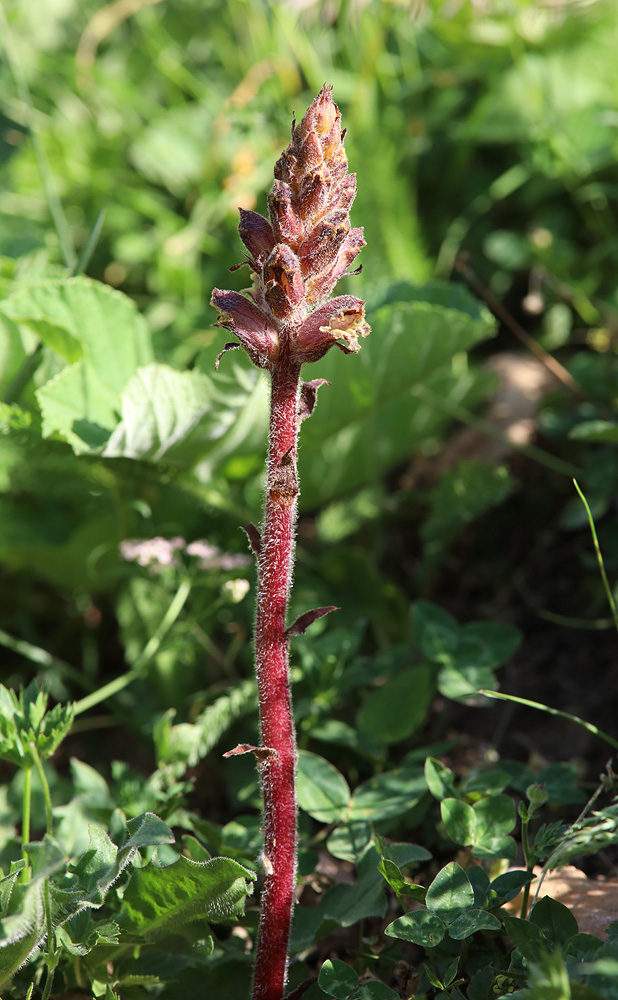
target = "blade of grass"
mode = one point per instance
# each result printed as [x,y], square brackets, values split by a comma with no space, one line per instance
[149,651]
[552,711]
[597,549]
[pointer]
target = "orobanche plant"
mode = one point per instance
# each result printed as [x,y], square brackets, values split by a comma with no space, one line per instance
[285,320]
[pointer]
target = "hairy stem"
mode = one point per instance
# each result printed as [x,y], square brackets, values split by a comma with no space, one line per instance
[272,668]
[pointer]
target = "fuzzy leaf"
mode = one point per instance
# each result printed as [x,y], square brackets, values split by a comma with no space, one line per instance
[163,900]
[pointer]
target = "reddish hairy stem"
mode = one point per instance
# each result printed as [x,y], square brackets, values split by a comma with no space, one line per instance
[272,668]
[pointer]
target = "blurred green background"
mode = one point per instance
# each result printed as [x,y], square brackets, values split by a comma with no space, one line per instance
[484,136]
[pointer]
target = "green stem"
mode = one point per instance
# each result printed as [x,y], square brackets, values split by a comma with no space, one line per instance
[150,650]
[25,820]
[597,549]
[525,843]
[49,819]
[51,945]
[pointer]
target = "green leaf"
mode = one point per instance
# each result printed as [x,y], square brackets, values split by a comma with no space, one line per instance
[495,817]
[375,418]
[595,430]
[527,937]
[399,707]
[420,926]
[81,402]
[347,904]
[375,991]
[337,979]
[22,928]
[170,416]
[460,821]
[507,886]
[349,841]
[390,871]
[450,893]
[389,794]
[24,719]
[406,854]
[322,790]
[555,919]
[434,631]
[440,779]
[471,921]
[164,900]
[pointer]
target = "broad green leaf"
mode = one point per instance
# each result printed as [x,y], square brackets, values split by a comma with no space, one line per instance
[420,926]
[450,893]
[322,790]
[347,904]
[471,921]
[349,841]
[527,937]
[495,847]
[81,402]
[507,886]
[163,900]
[113,337]
[460,821]
[389,794]
[440,779]
[434,631]
[555,919]
[479,880]
[170,416]
[495,816]
[406,854]
[375,417]
[337,979]
[397,708]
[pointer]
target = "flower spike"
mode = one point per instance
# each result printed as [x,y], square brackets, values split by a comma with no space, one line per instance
[299,253]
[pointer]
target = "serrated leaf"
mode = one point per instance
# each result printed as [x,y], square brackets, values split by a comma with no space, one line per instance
[162,900]
[22,929]
[168,415]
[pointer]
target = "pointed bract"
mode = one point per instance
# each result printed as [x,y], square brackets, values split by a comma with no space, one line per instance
[253,328]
